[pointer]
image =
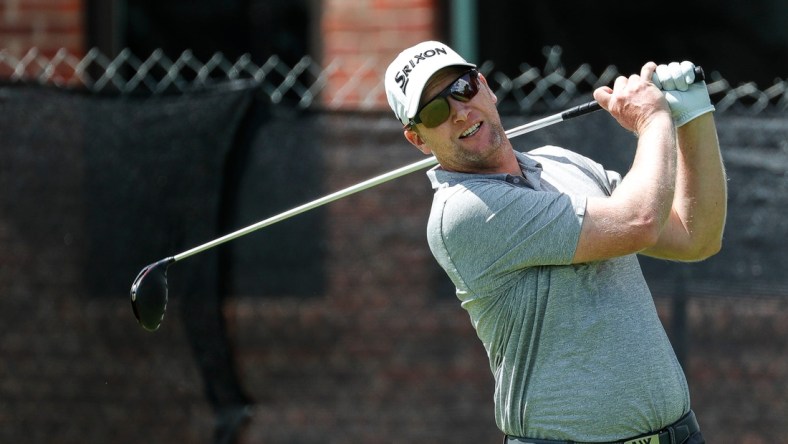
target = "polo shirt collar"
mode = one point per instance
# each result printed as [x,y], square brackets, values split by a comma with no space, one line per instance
[530,168]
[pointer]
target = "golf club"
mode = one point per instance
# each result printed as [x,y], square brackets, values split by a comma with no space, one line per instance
[149,292]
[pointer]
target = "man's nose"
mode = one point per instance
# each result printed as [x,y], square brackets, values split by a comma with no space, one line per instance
[459,110]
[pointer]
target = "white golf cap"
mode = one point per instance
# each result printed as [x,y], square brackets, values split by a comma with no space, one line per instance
[407,75]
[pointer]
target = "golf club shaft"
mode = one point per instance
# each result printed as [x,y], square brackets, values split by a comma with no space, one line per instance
[383,178]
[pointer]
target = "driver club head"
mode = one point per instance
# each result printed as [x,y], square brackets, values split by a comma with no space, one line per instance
[149,294]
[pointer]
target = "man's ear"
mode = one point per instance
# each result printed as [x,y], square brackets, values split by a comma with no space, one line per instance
[415,139]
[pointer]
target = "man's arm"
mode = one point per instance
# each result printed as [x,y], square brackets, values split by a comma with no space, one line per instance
[697,220]
[632,218]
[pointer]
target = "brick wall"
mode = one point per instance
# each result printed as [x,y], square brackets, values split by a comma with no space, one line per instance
[48,25]
[363,36]
[360,36]
[31,29]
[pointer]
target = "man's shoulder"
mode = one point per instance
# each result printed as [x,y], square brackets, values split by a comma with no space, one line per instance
[572,172]
[472,188]
[553,152]
[553,156]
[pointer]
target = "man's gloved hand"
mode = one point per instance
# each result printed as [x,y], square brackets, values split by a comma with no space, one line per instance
[687,97]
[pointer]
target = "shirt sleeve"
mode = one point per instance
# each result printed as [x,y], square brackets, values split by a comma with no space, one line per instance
[489,229]
[613,178]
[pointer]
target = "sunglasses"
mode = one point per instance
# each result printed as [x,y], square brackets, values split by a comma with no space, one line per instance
[437,110]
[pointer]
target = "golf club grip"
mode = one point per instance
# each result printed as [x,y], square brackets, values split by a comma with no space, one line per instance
[592,106]
[580,110]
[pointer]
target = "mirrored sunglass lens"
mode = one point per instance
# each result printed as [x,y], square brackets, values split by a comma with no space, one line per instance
[463,89]
[435,112]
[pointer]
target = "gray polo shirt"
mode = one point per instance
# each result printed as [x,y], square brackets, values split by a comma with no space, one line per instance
[577,351]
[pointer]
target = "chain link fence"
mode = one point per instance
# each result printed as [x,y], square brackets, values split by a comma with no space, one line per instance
[533,89]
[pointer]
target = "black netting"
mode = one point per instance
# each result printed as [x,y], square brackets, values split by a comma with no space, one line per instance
[96,187]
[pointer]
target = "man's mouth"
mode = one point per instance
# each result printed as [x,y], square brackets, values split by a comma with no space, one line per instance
[471,131]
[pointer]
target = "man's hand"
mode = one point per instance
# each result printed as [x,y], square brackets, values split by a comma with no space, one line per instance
[688,97]
[633,101]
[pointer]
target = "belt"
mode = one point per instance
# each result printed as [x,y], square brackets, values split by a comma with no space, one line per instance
[676,433]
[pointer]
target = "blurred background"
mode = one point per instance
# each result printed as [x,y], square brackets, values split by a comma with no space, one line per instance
[132,130]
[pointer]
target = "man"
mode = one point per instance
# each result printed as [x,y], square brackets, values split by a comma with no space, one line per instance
[542,246]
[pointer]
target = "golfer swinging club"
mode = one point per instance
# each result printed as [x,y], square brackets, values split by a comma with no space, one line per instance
[542,245]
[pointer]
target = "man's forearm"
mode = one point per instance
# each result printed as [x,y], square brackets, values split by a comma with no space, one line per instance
[694,230]
[701,186]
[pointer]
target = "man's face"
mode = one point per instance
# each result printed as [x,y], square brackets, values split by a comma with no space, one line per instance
[472,138]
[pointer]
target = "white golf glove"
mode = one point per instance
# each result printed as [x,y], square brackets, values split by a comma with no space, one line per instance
[687,97]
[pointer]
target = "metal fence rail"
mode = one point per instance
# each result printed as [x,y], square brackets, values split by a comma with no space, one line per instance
[532,89]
